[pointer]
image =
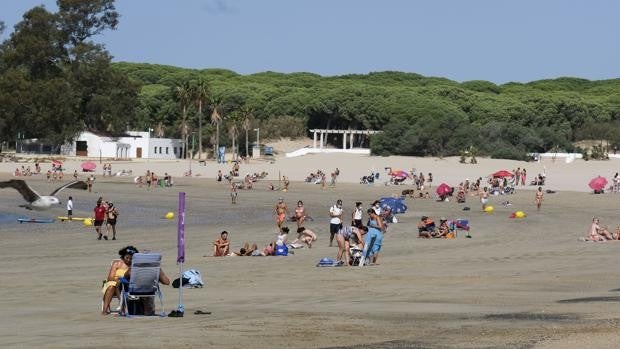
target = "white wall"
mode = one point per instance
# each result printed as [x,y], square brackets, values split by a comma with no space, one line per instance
[164,148]
[108,147]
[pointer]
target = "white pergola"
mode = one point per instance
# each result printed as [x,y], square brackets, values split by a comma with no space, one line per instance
[351,133]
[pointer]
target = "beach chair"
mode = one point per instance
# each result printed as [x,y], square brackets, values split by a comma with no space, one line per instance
[144,283]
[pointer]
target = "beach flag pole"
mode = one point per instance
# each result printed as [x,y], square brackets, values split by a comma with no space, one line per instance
[181,248]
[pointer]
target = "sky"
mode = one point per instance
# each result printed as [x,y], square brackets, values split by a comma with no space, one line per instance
[495,40]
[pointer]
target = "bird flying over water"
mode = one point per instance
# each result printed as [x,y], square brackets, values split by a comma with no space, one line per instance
[36,201]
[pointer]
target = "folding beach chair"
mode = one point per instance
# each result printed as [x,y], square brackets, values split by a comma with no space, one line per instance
[144,283]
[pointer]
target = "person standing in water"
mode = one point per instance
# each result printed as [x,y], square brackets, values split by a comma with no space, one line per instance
[539,198]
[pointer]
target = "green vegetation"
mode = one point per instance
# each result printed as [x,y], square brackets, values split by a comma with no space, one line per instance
[419,115]
[55,82]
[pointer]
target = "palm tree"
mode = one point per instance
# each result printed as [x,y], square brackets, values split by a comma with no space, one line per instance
[183,93]
[233,130]
[216,119]
[248,114]
[200,94]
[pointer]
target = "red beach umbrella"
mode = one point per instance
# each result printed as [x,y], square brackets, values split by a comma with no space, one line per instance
[598,183]
[502,174]
[443,189]
[88,166]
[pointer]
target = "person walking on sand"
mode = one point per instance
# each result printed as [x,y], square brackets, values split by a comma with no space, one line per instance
[111,215]
[335,223]
[233,193]
[523,177]
[98,218]
[75,175]
[280,213]
[484,198]
[300,214]
[89,182]
[70,208]
[539,198]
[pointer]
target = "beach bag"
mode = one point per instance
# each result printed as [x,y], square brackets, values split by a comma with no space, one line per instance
[281,250]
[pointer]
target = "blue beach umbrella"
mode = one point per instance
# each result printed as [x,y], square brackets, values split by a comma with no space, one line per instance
[396,204]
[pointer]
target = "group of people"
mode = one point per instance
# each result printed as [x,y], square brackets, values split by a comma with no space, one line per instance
[428,229]
[151,180]
[107,170]
[320,177]
[598,233]
[25,171]
[104,213]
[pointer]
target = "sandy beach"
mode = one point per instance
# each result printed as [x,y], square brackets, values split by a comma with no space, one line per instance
[517,283]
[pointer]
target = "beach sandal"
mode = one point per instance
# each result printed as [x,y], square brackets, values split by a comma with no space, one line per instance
[175,313]
[105,237]
[200,312]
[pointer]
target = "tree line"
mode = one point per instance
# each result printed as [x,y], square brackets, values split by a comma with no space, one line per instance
[55,81]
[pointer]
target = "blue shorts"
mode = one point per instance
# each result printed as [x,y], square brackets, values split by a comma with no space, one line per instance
[376,247]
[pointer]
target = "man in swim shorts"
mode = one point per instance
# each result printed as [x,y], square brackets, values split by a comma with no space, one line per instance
[484,197]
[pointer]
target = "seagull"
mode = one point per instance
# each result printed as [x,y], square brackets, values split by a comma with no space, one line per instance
[36,201]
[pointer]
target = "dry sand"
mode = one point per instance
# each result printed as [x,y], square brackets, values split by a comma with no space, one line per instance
[515,284]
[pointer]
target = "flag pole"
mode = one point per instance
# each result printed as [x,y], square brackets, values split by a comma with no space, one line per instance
[181,248]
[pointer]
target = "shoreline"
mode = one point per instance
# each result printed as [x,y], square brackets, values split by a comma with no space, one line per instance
[560,175]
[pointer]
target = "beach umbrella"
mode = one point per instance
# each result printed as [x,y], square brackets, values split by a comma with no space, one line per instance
[443,189]
[598,183]
[397,205]
[88,166]
[397,173]
[502,174]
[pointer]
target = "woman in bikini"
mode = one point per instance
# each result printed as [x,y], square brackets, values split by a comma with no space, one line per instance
[117,271]
[280,213]
[300,214]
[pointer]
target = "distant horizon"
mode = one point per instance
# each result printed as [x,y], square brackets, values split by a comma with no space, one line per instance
[495,41]
[367,73]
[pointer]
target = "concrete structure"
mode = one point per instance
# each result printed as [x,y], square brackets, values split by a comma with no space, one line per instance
[347,146]
[128,145]
[351,133]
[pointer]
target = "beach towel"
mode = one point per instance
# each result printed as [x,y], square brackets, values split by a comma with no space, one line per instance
[328,262]
[191,279]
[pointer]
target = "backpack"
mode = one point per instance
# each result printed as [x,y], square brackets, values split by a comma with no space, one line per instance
[281,250]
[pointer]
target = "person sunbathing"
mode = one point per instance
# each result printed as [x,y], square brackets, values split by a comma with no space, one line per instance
[117,271]
[221,246]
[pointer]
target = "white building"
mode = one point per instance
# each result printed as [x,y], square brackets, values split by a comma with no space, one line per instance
[127,145]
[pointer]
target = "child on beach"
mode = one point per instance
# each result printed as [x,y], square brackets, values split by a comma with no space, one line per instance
[70,207]
[539,198]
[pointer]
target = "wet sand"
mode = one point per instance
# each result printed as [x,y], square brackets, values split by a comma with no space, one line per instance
[517,283]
